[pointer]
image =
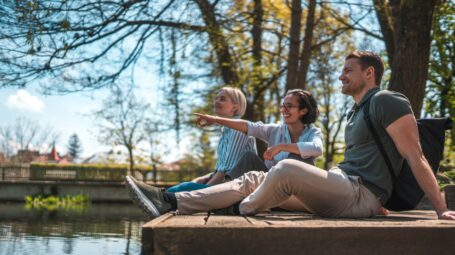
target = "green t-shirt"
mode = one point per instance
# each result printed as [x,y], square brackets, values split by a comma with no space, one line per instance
[362,157]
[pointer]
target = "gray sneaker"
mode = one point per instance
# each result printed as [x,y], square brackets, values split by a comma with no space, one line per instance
[149,198]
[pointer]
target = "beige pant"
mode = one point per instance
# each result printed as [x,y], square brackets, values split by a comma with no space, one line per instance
[291,184]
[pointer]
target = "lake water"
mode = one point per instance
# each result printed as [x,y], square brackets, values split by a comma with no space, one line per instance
[93,229]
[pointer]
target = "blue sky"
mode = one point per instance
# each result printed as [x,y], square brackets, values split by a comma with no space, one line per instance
[67,114]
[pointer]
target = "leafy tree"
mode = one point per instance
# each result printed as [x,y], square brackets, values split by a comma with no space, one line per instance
[202,156]
[74,146]
[322,82]
[406,28]
[262,47]
[205,152]
[240,43]
[440,92]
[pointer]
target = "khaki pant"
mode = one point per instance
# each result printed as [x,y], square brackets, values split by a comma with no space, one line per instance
[292,185]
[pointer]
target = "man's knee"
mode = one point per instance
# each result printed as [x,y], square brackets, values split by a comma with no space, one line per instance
[290,165]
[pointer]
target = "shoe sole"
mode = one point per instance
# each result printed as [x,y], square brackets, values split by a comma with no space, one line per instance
[141,199]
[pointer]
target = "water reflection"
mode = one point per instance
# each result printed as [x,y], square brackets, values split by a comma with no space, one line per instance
[95,229]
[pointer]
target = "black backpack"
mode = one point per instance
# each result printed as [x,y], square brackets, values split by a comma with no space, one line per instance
[406,192]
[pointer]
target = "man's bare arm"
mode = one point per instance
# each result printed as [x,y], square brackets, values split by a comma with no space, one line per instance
[405,135]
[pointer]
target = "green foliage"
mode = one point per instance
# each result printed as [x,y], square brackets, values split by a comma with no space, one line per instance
[52,203]
[206,153]
[450,174]
[81,172]
[183,175]
[85,167]
[440,90]
[202,157]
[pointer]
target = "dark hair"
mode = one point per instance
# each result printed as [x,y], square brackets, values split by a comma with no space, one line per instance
[306,100]
[367,59]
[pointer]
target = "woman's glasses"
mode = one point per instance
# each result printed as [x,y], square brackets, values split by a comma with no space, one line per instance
[288,106]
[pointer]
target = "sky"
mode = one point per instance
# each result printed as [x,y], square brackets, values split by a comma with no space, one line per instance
[64,113]
[69,114]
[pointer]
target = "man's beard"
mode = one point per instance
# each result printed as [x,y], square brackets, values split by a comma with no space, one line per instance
[349,90]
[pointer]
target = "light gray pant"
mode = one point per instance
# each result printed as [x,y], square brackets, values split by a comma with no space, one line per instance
[291,184]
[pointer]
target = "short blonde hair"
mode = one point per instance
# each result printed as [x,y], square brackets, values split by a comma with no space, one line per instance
[238,98]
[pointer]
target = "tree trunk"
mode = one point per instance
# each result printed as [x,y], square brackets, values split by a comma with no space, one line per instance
[294,47]
[131,167]
[256,32]
[130,155]
[411,23]
[253,112]
[385,18]
[260,115]
[412,51]
[219,43]
[326,125]
[307,43]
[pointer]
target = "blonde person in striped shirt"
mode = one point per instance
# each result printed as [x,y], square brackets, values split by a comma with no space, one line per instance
[229,103]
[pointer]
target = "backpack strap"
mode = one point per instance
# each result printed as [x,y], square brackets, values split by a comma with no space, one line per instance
[367,118]
[351,112]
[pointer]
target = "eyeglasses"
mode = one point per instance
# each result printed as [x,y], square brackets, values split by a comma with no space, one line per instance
[288,106]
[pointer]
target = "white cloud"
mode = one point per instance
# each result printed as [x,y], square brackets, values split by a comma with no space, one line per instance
[24,101]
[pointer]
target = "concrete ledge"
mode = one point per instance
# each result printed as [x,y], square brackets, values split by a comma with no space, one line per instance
[15,191]
[414,232]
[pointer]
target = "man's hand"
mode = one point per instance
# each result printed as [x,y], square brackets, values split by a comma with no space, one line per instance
[447,215]
[271,152]
[204,120]
[382,211]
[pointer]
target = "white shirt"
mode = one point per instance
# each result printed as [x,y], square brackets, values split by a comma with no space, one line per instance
[309,142]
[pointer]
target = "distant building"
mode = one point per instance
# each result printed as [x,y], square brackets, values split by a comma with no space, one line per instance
[27,156]
[53,157]
[2,158]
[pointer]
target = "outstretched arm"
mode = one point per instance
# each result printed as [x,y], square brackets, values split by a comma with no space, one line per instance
[405,135]
[207,120]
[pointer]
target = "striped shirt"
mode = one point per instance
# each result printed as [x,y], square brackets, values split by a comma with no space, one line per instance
[231,147]
[309,143]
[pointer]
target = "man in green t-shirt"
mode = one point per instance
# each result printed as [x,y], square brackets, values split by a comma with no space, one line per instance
[357,187]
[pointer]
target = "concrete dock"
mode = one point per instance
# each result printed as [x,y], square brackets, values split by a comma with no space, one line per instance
[412,232]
